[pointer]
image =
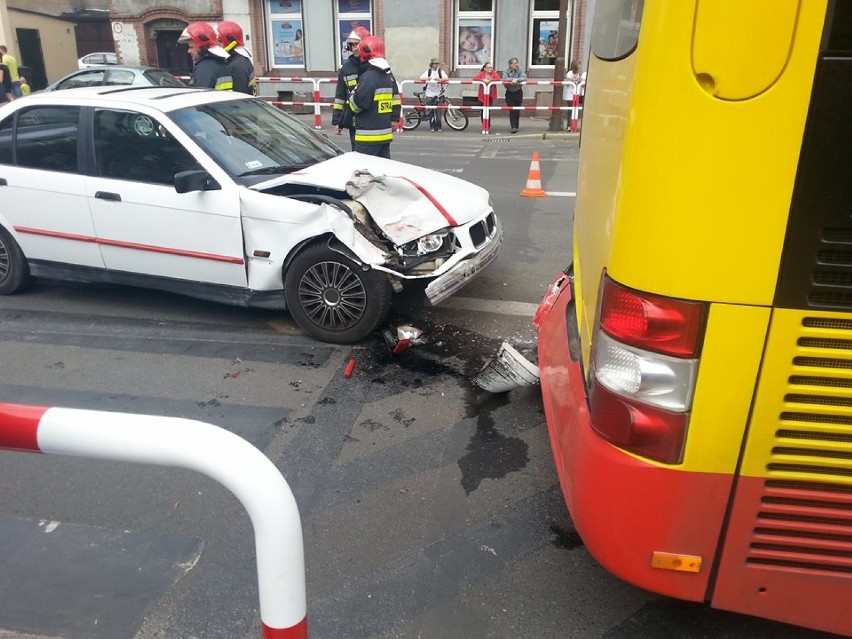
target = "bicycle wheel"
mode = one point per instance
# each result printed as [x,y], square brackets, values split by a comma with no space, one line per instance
[455,118]
[411,119]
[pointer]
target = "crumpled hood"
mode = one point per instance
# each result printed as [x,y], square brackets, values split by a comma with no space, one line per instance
[429,200]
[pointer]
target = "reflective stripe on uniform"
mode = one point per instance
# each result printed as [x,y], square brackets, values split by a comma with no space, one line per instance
[373,135]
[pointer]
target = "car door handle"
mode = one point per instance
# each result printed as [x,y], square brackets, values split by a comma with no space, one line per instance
[106,195]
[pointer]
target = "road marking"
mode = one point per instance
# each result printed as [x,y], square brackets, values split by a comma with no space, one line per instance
[561,193]
[521,309]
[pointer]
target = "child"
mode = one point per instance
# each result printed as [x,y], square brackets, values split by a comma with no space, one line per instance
[25,85]
[473,43]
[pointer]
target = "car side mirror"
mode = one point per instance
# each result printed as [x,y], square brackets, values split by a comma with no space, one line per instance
[197,180]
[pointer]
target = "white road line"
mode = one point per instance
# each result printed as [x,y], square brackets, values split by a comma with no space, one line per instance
[521,309]
[561,193]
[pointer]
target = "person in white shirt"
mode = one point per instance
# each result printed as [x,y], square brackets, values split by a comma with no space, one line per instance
[434,90]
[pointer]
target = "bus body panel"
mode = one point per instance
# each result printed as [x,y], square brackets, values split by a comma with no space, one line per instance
[684,194]
[791,524]
[626,508]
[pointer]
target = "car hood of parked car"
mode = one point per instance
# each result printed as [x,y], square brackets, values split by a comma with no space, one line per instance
[405,200]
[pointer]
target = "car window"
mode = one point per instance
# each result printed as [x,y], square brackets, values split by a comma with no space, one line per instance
[252,140]
[134,146]
[85,79]
[119,77]
[161,78]
[46,138]
[6,141]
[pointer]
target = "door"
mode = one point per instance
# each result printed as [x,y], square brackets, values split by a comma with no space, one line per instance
[29,42]
[42,196]
[146,227]
[171,54]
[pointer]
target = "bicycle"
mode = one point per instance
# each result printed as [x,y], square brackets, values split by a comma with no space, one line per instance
[455,118]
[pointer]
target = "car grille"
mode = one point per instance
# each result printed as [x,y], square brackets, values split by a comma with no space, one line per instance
[483,231]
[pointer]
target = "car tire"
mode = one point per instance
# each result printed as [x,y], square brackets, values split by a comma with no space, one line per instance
[333,298]
[14,270]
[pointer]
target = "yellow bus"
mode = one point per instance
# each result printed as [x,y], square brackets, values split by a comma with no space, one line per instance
[696,356]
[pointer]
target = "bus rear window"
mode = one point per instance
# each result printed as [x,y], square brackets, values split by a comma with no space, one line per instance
[615,29]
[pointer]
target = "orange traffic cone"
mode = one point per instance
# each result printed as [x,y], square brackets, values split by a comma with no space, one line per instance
[533,188]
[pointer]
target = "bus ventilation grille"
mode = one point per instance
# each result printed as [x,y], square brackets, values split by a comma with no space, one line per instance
[831,279]
[804,526]
[804,519]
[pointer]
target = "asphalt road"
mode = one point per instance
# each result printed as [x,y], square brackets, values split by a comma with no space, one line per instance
[430,508]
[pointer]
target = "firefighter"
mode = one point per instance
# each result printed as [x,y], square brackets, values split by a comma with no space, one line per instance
[239,59]
[209,69]
[347,78]
[375,101]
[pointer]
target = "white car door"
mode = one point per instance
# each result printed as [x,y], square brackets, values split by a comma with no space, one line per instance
[42,196]
[146,227]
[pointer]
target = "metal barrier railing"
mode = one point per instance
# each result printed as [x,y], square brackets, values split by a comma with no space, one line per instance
[485,108]
[208,449]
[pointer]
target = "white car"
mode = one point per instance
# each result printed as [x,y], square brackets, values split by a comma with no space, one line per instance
[97,59]
[224,197]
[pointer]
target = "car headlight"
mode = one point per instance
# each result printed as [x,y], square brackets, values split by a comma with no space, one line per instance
[430,243]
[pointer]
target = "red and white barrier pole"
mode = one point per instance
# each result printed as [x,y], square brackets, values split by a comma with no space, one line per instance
[208,449]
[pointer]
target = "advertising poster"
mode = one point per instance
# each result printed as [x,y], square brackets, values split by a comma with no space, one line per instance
[286,6]
[474,42]
[345,28]
[288,43]
[353,6]
[546,35]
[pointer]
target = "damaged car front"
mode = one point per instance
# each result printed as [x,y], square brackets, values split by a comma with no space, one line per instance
[341,231]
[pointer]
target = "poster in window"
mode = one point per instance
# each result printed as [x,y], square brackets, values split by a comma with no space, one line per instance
[545,41]
[345,28]
[474,42]
[288,43]
[285,6]
[353,6]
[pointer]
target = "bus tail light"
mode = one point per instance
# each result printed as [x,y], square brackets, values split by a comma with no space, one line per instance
[644,371]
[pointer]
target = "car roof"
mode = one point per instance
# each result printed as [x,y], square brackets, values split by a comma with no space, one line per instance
[163,99]
[115,67]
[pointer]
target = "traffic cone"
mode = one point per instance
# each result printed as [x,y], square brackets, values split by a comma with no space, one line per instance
[533,188]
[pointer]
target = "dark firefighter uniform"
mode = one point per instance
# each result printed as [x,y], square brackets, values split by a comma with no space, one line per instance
[211,72]
[376,105]
[347,78]
[242,73]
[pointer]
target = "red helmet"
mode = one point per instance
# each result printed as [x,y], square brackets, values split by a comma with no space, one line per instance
[371,47]
[357,34]
[355,37]
[200,34]
[230,35]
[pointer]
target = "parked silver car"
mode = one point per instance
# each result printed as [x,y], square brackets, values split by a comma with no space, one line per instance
[116,75]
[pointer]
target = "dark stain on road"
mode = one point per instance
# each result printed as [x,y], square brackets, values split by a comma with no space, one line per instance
[490,454]
[565,538]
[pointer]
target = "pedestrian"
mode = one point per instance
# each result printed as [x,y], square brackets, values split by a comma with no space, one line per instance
[11,63]
[239,59]
[347,78]
[209,68]
[573,86]
[487,74]
[25,86]
[375,101]
[6,94]
[434,91]
[513,80]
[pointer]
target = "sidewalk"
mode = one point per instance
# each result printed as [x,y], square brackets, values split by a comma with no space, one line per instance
[530,127]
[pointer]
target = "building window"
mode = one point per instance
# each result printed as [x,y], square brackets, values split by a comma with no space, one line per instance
[474,31]
[286,33]
[351,14]
[545,39]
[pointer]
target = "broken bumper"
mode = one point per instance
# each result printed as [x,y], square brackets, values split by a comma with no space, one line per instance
[445,285]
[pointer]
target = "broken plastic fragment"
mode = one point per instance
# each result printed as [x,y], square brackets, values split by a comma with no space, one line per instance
[507,370]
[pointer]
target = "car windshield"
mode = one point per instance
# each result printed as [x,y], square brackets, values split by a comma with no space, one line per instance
[162,78]
[252,140]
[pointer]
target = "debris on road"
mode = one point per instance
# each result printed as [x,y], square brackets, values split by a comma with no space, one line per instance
[506,371]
